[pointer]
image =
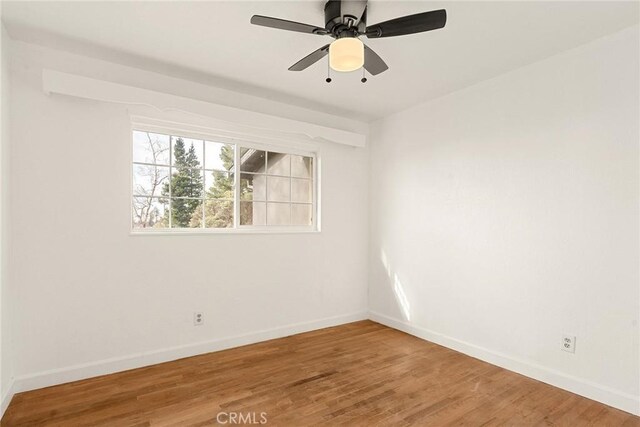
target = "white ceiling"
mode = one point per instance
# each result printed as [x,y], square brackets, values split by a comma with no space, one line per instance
[215,42]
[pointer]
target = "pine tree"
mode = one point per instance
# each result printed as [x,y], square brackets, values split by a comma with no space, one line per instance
[185,186]
[219,212]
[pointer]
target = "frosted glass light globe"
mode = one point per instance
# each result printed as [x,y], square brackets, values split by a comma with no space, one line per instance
[346,54]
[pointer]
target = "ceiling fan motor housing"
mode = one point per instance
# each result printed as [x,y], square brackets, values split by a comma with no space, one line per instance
[340,23]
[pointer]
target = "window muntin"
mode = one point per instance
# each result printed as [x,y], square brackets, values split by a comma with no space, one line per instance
[182,183]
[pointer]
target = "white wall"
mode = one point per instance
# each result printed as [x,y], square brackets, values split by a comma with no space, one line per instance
[506,214]
[89,293]
[6,372]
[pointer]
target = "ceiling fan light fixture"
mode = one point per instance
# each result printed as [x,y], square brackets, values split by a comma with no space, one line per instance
[346,54]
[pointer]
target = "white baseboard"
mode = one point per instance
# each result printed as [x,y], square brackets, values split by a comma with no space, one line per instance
[109,366]
[6,398]
[591,390]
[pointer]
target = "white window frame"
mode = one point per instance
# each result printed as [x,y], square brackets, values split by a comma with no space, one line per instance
[239,141]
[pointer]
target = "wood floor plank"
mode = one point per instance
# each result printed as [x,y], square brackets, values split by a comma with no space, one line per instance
[360,374]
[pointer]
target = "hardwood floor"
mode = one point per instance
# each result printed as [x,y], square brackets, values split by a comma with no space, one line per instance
[362,373]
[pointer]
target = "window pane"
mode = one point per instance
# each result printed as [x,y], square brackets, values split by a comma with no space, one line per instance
[252,160]
[301,167]
[278,164]
[150,148]
[253,187]
[218,213]
[301,190]
[253,213]
[218,156]
[150,212]
[186,213]
[301,214]
[187,153]
[218,185]
[187,183]
[181,182]
[278,189]
[149,180]
[278,214]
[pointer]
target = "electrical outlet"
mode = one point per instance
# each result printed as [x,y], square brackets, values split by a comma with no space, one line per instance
[198,318]
[569,343]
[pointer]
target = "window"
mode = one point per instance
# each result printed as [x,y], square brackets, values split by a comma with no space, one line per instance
[182,183]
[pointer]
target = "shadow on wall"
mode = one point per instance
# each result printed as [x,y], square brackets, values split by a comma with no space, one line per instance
[396,288]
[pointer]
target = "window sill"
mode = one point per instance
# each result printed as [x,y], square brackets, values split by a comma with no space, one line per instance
[201,232]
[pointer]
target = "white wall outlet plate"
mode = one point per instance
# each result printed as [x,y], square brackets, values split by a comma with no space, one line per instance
[198,318]
[569,343]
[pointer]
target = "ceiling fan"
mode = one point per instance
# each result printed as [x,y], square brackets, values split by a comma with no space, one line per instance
[346,22]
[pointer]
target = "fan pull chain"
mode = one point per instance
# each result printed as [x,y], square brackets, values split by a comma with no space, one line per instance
[328,80]
[364,78]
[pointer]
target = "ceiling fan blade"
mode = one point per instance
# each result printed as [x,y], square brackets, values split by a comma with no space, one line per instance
[353,8]
[310,59]
[283,24]
[411,24]
[373,63]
